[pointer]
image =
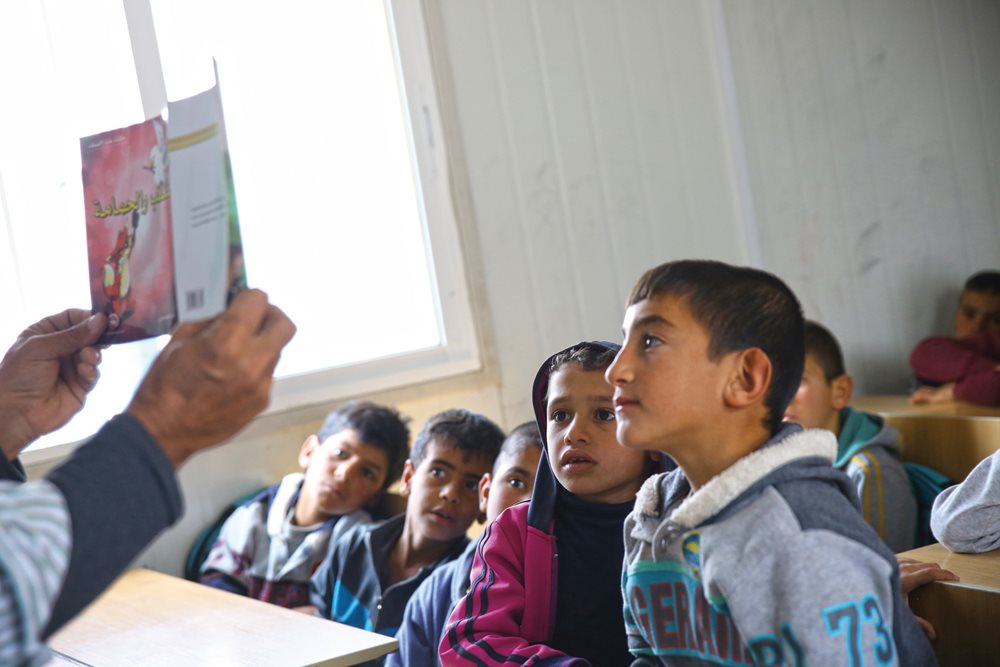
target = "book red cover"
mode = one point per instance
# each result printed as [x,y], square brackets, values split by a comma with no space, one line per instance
[129,242]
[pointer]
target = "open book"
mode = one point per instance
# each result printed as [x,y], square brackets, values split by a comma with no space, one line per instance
[163,236]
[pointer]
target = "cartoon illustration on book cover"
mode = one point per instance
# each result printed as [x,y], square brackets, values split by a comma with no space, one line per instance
[129,245]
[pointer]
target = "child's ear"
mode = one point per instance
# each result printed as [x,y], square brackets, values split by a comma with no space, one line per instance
[750,378]
[308,447]
[841,388]
[484,494]
[404,481]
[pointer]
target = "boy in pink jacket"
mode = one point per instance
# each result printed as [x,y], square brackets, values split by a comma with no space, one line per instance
[546,578]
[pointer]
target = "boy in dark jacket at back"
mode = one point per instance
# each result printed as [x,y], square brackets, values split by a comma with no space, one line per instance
[427,611]
[369,575]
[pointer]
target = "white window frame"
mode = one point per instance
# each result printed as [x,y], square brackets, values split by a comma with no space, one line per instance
[459,351]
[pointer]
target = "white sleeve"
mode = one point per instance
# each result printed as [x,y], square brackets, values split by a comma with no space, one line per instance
[35,543]
[966,517]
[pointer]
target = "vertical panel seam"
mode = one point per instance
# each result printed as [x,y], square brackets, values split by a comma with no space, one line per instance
[601,171]
[651,226]
[516,172]
[560,174]
[991,158]
[949,128]
[736,136]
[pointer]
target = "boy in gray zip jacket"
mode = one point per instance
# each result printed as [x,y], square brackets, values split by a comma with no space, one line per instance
[754,550]
[868,449]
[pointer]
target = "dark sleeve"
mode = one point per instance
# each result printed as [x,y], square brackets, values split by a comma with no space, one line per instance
[12,470]
[222,581]
[121,492]
[321,583]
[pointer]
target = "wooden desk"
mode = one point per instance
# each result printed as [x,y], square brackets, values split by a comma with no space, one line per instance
[951,437]
[886,404]
[965,614]
[148,619]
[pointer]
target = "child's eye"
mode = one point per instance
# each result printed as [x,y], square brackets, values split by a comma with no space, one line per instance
[369,474]
[472,485]
[339,453]
[559,416]
[516,483]
[436,472]
[605,415]
[649,341]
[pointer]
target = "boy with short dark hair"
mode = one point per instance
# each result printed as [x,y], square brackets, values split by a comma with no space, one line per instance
[965,367]
[268,548]
[427,611]
[753,551]
[546,575]
[368,576]
[868,448]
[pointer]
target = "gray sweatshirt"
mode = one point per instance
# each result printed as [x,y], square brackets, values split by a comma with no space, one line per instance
[868,451]
[966,517]
[768,563]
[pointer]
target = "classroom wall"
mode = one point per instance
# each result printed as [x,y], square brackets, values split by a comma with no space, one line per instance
[872,134]
[851,147]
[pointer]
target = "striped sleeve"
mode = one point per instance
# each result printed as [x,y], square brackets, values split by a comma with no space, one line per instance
[485,627]
[871,490]
[35,541]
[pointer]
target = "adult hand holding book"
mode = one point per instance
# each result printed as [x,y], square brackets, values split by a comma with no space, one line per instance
[213,376]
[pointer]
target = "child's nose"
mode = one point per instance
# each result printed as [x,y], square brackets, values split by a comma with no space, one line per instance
[618,370]
[346,470]
[450,491]
[577,431]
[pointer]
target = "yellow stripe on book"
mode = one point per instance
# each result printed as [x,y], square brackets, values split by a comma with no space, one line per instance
[192,138]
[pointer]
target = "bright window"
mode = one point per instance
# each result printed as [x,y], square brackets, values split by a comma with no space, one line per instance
[338,221]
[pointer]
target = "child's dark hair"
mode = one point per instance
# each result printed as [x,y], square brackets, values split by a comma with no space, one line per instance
[824,349]
[984,281]
[740,308]
[375,424]
[588,356]
[518,440]
[462,429]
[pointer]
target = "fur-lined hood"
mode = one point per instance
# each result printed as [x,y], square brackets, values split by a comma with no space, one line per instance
[792,453]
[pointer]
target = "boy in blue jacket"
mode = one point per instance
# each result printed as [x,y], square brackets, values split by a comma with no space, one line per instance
[427,611]
[753,550]
[369,575]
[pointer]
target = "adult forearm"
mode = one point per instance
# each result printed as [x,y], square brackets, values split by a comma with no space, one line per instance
[121,491]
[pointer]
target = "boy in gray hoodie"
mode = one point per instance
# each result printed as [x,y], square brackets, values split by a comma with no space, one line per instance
[868,449]
[753,551]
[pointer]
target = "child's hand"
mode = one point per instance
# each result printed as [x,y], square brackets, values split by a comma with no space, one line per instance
[942,394]
[914,574]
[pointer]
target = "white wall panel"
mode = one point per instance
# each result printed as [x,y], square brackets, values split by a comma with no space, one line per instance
[870,130]
[593,134]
